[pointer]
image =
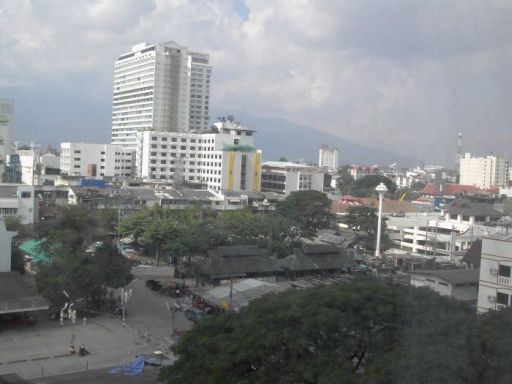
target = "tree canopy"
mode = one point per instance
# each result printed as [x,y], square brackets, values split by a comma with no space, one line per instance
[364,219]
[309,210]
[81,274]
[363,332]
[365,186]
[182,233]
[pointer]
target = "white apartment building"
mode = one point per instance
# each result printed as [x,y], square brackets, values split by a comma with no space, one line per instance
[483,172]
[495,285]
[223,158]
[328,158]
[95,160]
[19,200]
[286,177]
[6,121]
[159,87]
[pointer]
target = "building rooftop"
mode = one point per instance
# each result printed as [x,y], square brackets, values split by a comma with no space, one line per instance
[19,294]
[453,276]
[284,164]
[472,208]
[242,293]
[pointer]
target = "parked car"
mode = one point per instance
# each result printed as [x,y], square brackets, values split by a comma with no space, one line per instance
[195,314]
[155,285]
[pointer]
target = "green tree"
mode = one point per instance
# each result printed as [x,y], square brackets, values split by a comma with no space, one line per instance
[361,218]
[365,186]
[352,333]
[73,230]
[65,238]
[309,210]
[346,179]
[17,260]
[364,219]
[496,346]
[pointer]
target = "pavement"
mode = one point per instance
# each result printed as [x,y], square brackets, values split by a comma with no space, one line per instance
[43,349]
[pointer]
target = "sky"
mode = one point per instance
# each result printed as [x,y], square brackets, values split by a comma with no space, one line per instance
[404,75]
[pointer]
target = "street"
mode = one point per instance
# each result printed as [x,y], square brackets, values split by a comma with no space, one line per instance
[147,313]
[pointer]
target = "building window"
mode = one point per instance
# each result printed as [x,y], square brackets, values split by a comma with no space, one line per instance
[504,270]
[174,139]
[26,194]
[77,151]
[183,148]
[183,140]
[153,138]
[76,166]
[502,298]
[164,146]
[153,145]
[164,138]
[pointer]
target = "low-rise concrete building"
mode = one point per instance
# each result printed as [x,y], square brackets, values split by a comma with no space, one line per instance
[18,200]
[461,284]
[495,273]
[286,177]
[95,160]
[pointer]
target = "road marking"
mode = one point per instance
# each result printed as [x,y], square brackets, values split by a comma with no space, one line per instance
[16,361]
[63,355]
[40,358]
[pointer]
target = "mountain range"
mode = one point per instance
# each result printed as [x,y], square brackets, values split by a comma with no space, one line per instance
[282,138]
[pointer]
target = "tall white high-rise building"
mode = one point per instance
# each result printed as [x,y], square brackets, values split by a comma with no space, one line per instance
[328,158]
[159,87]
[6,120]
[483,172]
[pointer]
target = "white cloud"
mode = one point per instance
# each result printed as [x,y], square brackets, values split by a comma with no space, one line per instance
[401,74]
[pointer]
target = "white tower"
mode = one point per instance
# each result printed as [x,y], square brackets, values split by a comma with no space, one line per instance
[381,190]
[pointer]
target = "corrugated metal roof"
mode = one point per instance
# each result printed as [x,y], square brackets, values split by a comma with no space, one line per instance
[454,276]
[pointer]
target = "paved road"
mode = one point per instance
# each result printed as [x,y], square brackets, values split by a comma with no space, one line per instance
[147,313]
[42,349]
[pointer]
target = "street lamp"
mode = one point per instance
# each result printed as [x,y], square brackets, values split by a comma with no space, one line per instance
[381,190]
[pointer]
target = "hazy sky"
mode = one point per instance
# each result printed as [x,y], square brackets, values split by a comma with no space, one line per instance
[406,75]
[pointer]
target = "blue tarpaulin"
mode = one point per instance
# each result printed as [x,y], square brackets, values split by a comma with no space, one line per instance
[135,368]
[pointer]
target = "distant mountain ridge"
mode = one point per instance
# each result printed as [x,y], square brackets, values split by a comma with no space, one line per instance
[279,137]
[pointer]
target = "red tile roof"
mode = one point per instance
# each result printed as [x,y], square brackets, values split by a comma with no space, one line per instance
[449,189]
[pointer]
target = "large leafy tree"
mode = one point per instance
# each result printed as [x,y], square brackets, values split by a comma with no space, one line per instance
[80,274]
[354,333]
[365,186]
[309,210]
[361,218]
[364,221]
[74,229]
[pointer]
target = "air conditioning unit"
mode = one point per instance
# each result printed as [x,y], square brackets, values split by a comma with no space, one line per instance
[491,298]
[493,271]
